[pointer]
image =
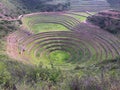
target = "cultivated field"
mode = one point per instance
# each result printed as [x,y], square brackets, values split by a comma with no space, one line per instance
[69,41]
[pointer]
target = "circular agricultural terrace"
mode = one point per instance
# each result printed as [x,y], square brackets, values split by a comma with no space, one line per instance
[81,44]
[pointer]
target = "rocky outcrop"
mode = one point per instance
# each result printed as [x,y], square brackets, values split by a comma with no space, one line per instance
[108,20]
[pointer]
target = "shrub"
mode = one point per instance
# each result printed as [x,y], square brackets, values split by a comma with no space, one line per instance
[85,83]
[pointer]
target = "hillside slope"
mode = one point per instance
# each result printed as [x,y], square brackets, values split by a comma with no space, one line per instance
[108,20]
[17,7]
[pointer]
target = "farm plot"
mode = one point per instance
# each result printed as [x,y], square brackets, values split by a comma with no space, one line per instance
[77,44]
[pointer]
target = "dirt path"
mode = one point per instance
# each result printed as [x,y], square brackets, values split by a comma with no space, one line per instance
[13,45]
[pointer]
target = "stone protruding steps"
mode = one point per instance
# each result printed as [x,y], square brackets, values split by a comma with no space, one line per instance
[89,5]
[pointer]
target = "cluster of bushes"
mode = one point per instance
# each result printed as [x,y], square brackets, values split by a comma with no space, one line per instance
[18,76]
[13,73]
[6,27]
[94,83]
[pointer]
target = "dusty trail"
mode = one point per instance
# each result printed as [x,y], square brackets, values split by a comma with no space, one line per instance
[13,43]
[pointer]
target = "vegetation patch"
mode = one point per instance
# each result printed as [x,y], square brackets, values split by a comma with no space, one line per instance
[59,56]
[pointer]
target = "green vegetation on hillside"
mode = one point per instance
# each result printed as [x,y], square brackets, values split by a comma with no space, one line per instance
[17,76]
[13,74]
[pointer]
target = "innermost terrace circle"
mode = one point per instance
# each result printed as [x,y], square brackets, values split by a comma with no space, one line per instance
[59,56]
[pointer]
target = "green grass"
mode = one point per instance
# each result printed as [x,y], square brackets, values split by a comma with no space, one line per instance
[84,13]
[2,66]
[45,27]
[78,17]
[59,55]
